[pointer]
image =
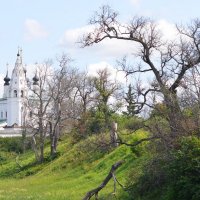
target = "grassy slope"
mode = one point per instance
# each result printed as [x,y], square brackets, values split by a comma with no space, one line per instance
[69,176]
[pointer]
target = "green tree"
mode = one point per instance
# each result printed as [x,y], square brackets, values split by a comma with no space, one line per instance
[105,89]
[130,100]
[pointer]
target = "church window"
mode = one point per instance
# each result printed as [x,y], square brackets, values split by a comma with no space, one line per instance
[15,93]
[22,93]
[6,114]
[1,115]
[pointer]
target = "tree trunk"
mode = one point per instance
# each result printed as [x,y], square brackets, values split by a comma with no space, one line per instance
[41,146]
[52,143]
[175,117]
[113,135]
[34,146]
[104,183]
[54,140]
[41,152]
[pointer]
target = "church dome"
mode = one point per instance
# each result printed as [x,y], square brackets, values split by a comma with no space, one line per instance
[7,80]
[35,80]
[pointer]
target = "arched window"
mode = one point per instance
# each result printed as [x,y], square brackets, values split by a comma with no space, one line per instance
[30,114]
[15,93]
[22,93]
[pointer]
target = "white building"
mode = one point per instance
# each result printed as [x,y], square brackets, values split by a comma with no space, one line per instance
[13,111]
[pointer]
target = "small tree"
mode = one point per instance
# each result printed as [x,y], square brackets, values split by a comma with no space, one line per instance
[85,91]
[61,88]
[130,100]
[39,104]
[105,89]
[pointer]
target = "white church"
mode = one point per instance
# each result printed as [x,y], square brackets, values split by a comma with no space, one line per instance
[13,112]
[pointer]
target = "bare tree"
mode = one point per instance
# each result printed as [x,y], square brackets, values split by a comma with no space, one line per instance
[85,91]
[190,98]
[61,88]
[51,93]
[165,61]
[191,85]
[39,104]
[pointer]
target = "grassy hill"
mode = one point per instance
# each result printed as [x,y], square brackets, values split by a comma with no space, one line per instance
[78,168]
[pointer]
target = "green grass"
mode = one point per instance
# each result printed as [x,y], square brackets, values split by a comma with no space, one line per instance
[69,176]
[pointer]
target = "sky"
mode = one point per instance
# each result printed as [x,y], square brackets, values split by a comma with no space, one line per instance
[45,29]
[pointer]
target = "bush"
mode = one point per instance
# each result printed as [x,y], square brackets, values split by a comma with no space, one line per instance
[172,176]
[129,123]
[184,170]
[13,144]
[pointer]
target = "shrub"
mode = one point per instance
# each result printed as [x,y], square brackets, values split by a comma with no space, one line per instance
[184,170]
[172,176]
[13,144]
[126,122]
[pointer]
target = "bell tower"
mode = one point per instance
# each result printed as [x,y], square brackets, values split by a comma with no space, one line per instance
[16,94]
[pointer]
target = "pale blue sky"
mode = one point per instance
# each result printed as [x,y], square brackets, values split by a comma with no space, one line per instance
[44,28]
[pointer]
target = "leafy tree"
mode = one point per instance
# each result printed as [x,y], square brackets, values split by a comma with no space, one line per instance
[130,100]
[105,89]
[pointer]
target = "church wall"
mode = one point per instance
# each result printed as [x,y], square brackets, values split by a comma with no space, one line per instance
[3,109]
[14,111]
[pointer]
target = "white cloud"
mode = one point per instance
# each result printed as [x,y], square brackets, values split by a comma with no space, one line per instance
[34,30]
[168,30]
[135,2]
[71,36]
[107,48]
[115,75]
[31,69]
[110,48]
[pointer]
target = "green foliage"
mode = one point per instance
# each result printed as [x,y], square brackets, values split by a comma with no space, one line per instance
[134,123]
[14,144]
[188,112]
[96,120]
[140,149]
[128,123]
[80,167]
[158,125]
[173,176]
[130,100]
[97,123]
[184,170]
[159,110]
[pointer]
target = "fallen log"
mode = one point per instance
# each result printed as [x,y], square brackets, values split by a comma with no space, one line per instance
[95,191]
